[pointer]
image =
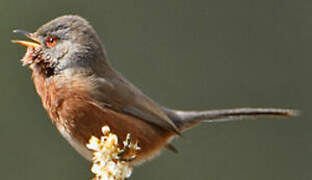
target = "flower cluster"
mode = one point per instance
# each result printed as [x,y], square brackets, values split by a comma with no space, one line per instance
[109,161]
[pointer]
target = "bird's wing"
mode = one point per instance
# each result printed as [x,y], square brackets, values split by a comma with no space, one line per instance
[119,94]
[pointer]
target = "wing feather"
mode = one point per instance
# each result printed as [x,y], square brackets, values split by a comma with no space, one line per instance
[123,96]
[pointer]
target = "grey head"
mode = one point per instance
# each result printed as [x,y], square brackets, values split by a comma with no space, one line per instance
[66,42]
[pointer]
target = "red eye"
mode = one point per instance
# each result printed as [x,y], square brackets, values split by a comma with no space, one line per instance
[51,41]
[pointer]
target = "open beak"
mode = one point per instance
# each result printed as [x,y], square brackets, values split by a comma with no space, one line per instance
[34,43]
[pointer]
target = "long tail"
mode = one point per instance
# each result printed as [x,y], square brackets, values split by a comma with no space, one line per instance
[186,119]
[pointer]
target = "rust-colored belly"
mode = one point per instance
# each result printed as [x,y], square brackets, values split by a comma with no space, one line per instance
[78,117]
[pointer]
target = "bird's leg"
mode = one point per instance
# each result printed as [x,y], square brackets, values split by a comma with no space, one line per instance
[129,150]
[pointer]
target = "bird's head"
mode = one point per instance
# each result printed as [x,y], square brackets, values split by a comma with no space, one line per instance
[65,43]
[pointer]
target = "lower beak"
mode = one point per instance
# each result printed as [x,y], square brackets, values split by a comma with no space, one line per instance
[34,43]
[26,43]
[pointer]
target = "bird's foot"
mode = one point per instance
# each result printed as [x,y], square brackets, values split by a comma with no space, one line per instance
[129,151]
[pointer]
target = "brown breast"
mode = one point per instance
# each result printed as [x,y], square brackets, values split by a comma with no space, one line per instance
[80,117]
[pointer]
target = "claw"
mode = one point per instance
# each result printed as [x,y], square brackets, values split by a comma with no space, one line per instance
[128,152]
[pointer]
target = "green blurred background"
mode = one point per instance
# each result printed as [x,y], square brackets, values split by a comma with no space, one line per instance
[202,54]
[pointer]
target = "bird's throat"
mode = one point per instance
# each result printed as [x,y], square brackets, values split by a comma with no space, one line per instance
[34,59]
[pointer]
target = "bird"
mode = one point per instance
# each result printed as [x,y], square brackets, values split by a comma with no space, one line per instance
[82,92]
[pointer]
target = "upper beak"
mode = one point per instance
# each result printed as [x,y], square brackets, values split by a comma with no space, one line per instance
[34,43]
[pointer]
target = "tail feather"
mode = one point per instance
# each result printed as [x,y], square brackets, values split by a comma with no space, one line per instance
[186,119]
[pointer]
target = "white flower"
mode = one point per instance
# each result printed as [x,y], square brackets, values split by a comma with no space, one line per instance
[107,163]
